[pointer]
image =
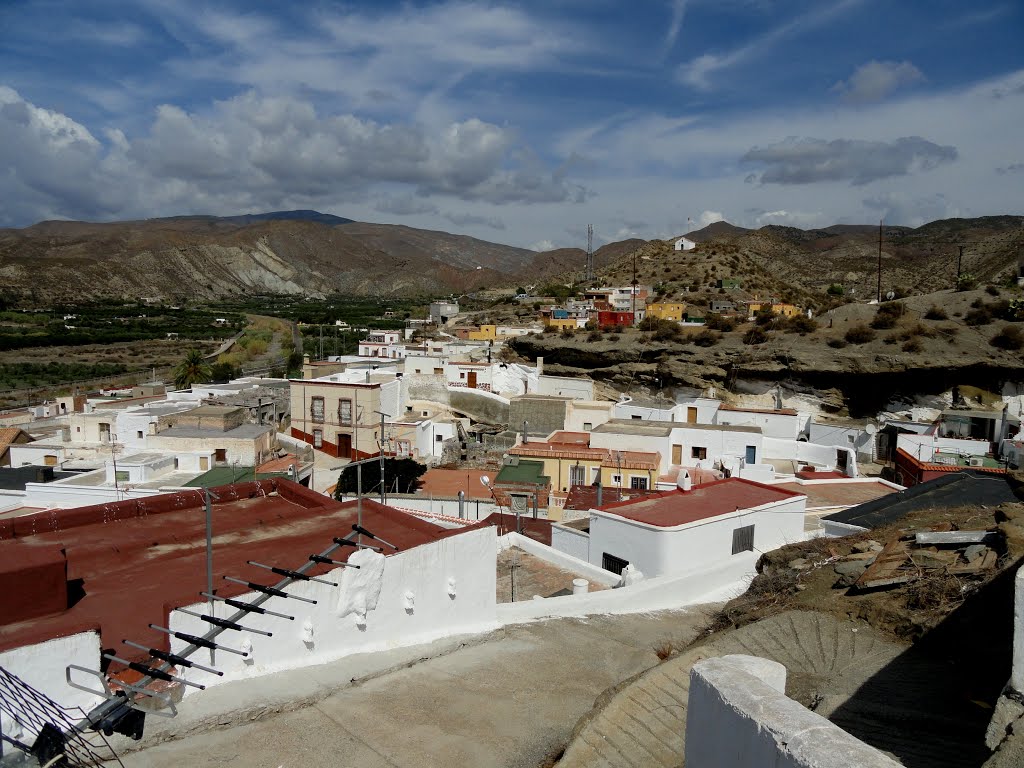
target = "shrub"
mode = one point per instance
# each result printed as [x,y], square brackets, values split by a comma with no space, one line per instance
[1009,338]
[614,337]
[935,313]
[595,335]
[765,316]
[883,322]
[836,343]
[979,316]
[912,346]
[756,335]
[991,290]
[706,338]
[800,324]
[717,322]
[566,333]
[859,334]
[836,289]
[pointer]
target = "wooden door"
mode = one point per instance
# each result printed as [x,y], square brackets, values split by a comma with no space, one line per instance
[344,446]
[691,415]
[471,379]
[677,454]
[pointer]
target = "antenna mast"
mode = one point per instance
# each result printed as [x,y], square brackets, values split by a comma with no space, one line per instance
[880,260]
[590,253]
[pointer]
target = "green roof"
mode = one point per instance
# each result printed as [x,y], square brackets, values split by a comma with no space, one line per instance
[227,475]
[524,472]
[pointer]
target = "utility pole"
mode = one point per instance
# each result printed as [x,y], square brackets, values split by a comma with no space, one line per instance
[633,291]
[589,272]
[879,298]
[959,264]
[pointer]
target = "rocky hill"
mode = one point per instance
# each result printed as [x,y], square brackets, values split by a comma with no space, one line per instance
[800,265]
[205,257]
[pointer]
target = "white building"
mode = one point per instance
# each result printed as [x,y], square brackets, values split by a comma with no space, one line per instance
[685,244]
[687,528]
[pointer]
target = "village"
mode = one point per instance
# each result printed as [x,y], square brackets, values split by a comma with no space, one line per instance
[140,514]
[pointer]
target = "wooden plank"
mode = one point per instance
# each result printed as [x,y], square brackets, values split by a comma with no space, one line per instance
[886,570]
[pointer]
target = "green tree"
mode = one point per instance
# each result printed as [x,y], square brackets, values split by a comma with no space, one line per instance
[192,370]
[400,476]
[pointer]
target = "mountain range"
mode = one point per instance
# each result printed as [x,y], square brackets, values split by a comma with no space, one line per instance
[310,253]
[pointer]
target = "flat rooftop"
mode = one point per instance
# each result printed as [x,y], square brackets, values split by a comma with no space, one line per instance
[139,559]
[839,493]
[664,428]
[678,507]
[242,432]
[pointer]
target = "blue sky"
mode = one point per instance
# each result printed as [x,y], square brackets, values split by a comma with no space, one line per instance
[515,122]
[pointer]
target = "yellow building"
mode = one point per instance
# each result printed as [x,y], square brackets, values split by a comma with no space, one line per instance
[570,464]
[778,307]
[667,310]
[560,323]
[484,333]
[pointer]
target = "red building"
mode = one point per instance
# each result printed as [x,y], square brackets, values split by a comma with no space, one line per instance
[612,319]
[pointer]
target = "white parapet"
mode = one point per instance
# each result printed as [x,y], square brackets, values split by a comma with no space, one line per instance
[1017,672]
[738,716]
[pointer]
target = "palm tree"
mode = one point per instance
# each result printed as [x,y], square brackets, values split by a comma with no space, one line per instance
[192,370]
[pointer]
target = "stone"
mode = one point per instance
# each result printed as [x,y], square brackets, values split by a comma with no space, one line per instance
[974,552]
[867,546]
[800,564]
[851,568]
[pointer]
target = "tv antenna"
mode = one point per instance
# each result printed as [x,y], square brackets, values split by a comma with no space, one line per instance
[590,253]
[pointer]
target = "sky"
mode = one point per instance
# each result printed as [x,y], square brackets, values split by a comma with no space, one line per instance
[517,122]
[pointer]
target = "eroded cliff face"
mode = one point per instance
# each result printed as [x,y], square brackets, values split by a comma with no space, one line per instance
[859,379]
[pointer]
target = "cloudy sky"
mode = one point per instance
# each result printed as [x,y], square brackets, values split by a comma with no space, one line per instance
[518,122]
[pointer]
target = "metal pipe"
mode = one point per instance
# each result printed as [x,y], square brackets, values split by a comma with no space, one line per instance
[224,623]
[172,658]
[290,573]
[273,591]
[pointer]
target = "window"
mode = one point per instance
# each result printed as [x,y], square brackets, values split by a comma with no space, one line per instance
[588,426]
[850,439]
[698,453]
[634,417]
[577,475]
[438,438]
[175,463]
[743,539]
[316,410]
[638,483]
[616,479]
[462,374]
[122,476]
[138,434]
[318,438]
[614,564]
[344,411]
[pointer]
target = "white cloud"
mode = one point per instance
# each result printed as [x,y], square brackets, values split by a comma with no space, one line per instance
[542,245]
[876,80]
[678,11]
[709,217]
[405,205]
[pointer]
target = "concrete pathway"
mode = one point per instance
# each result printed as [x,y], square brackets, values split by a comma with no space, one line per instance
[511,698]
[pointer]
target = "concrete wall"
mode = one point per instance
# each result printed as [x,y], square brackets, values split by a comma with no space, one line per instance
[435,590]
[703,585]
[571,541]
[844,437]
[43,667]
[659,551]
[772,424]
[629,409]
[1017,672]
[584,412]
[738,716]
[565,386]
[922,447]
[544,415]
[566,562]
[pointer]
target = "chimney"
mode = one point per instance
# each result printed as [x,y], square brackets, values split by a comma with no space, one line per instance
[684,482]
[540,366]
[600,494]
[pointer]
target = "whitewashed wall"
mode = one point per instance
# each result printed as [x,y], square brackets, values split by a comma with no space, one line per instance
[475,509]
[565,386]
[571,541]
[844,437]
[922,447]
[435,590]
[658,551]
[583,412]
[738,716]
[43,667]
[772,424]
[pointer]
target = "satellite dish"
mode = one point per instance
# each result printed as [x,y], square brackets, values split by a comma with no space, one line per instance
[871,429]
[890,295]
[485,481]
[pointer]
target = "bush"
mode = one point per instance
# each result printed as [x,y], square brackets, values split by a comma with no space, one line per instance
[756,335]
[800,324]
[595,335]
[991,290]
[765,317]
[707,338]
[717,322]
[836,343]
[614,337]
[566,333]
[883,322]
[836,289]
[912,346]
[979,316]
[1009,338]
[859,334]
[935,313]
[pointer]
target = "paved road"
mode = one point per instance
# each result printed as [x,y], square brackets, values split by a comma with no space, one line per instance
[508,700]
